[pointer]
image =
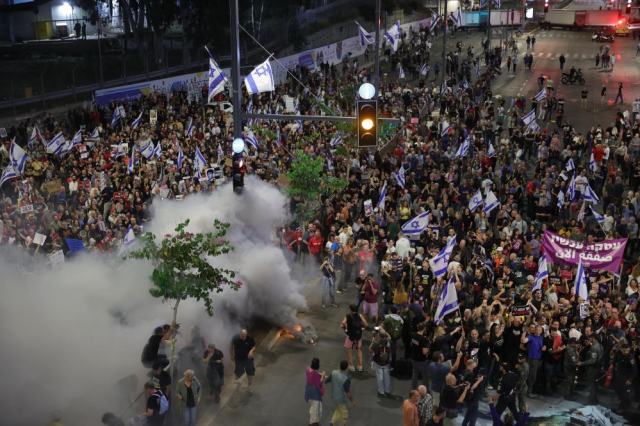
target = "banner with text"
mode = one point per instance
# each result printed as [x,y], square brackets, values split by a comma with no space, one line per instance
[605,255]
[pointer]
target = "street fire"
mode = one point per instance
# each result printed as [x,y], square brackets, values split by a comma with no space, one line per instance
[303,332]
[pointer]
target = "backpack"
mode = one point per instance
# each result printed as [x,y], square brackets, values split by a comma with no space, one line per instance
[395,329]
[354,327]
[383,353]
[164,404]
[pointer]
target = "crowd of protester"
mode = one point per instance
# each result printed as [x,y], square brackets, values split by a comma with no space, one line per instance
[90,195]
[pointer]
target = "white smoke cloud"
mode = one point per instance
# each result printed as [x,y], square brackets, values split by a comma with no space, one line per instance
[70,335]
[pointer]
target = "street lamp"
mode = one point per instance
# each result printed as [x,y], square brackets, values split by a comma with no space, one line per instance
[238,145]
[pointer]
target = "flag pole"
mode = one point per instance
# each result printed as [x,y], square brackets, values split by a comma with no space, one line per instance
[377,64]
[235,70]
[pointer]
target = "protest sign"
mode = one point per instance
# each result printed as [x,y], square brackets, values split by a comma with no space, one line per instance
[26,209]
[39,239]
[56,259]
[605,255]
[520,311]
[368,208]
[52,187]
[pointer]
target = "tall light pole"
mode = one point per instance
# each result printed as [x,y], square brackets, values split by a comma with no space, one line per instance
[377,65]
[235,70]
[444,45]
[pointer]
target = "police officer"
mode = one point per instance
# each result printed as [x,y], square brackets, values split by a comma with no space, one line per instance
[507,391]
[522,369]
[571,357]
[625,371]
[593,361]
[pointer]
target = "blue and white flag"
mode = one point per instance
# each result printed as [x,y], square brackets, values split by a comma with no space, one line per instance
[571,192]
[445,128]
[120,151]
[8,173]
[599,218]
[497,3]
[54,144]
[216,78]
[592,164]
[560,199]
[589,195]
[64,149]
[400,176]
[221,152]
[329,161]
[425,69]
[365,37]
[137,121]
[180,157]
[393,36]
[251,138]
[132,160]
[17,157]
[490,202]
[541,95]
[435,18]
[457,16]
[401,75]
[128,241]
[478,71]
[199,162]
[260,80]
[570,166]
[190,128]
[416,225]
[463,149]
[115,117]
[543,273]
[383,197]
[529,118]
[148,150]
[448,302]
[34,137]
[95,135]
[476,201]
[580,288]
[157,150]
[534,127]
[337,140]
[279,139]
[491,151]
[483,3]
[77,138]
[440,263]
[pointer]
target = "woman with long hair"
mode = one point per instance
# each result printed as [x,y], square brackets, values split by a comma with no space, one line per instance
[314,391]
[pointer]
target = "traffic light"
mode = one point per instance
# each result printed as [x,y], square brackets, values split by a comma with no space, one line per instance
[367,115]
[627,10]
[546,6]
[238,171]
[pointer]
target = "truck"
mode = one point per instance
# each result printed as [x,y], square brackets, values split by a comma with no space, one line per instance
[591,19]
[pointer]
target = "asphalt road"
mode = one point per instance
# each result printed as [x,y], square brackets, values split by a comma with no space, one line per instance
[586,5]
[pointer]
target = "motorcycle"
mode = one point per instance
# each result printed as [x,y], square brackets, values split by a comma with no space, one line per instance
[602,38]
[578,78]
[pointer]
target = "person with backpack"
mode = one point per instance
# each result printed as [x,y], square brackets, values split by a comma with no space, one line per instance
[393,325]
[157,405]
[381,350]
[353,324]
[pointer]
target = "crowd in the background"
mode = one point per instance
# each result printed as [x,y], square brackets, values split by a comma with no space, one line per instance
[89,194]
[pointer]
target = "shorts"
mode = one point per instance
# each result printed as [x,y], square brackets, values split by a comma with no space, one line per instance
[349,344]
[244,366]
[370,308]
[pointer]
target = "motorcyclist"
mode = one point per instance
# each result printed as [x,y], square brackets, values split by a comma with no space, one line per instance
[572,73]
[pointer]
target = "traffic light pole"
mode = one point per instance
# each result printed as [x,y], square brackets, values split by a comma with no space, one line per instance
[313,118]
[444,45]
[377,70]
[236,96]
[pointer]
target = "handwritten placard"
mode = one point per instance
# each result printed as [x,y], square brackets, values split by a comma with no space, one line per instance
[26,209]
[56,259]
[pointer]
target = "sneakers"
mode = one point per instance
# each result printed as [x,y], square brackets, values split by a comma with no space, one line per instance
[360,368]
[352,368]
[334,305]
[338,292]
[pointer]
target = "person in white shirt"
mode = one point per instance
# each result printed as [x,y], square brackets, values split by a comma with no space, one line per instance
[402,246]
[607,225]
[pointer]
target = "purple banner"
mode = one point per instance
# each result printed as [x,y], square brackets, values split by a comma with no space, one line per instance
[605,255]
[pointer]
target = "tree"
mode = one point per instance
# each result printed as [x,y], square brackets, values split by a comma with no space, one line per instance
[296,36]
[182,270]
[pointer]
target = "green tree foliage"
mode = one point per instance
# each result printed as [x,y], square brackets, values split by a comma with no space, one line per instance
[296,36]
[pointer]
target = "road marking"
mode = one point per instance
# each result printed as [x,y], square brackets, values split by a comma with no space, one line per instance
[548,55]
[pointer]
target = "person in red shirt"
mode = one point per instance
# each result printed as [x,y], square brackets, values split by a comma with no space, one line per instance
[598,155]
[315,246]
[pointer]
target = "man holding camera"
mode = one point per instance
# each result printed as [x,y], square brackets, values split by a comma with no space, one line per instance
[381,350]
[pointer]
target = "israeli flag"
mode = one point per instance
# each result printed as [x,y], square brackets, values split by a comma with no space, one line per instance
[497,3]
[180,157]
[54,144]
[401,76]
[463,150]
[490,202]
[459,16]
[190,128]
[483,3]
[119,151]
[416,225]
[400,176]
[560,199]
[77,138]
[115,117]
[148,150]
[580,288]
[448,301]
[17,157]
[8,173]
[581,212]
[157,150]
[251,138]
[299,123]
[465,84]
[128,241]
[590,195]
[220,152]
[592,164]
[337,140]
[571,192]
[278,140]
[435,18]
[64,149]
[132,160]
[529,118]
[393,36]
[599,218]
[476,201]
[440,263]
[34,136]
[541,95]
[570,166]
[95,135]
[543,273]
[383,196]
[199,162]
[534,127]
[425,69]
[478,71]
[329,161]
[260,80]
[137,121]
[491,152]
[365,37]
[445,128]
[216,78]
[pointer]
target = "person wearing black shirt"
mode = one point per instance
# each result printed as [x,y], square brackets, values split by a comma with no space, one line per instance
[150,351]
[450,397]
[152,413]
[419,350]
[438,417]
[242,349]
[512,336]
[215,370]
[161,379]
[473,395]
[507,391]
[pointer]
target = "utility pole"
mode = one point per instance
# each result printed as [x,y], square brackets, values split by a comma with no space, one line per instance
[377,66]
[489,26]
[444,45]
[235,70]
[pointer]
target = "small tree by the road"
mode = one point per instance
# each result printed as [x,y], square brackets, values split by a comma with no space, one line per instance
[181,267]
